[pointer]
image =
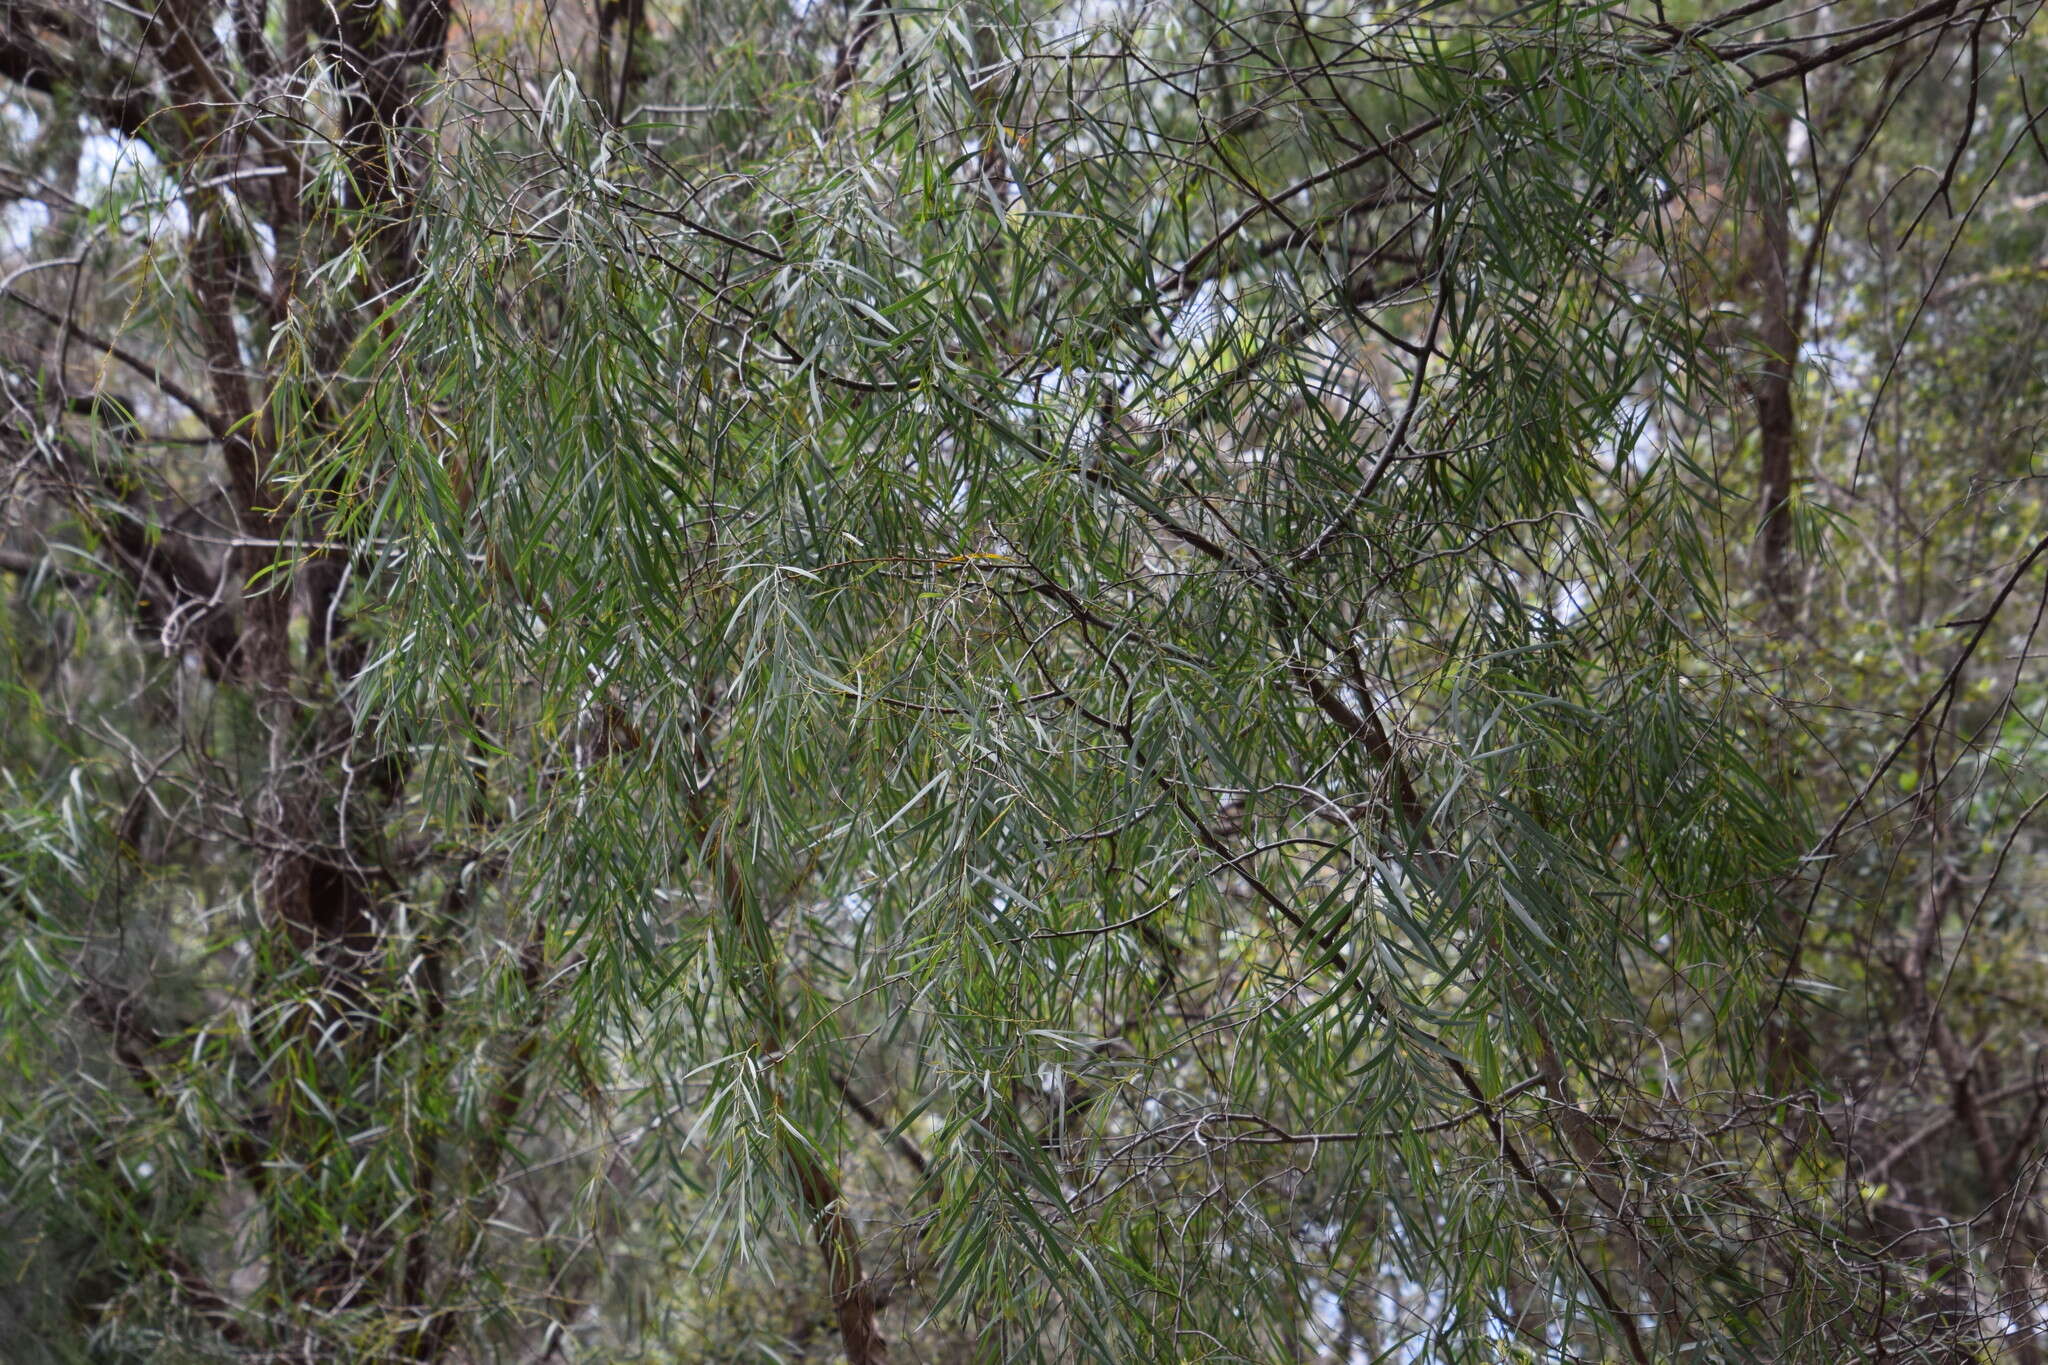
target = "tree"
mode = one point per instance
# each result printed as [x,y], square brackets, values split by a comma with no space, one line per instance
[1102,682]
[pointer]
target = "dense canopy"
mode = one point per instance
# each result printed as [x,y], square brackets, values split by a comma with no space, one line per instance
[1087,680]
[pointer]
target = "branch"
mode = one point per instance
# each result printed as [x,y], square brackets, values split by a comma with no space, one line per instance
[1943,696]
[846,66]
[121,101]
[429,1339]
[1875,1171]
[170,388]
[899,1142]
[1849,47]
[24,565]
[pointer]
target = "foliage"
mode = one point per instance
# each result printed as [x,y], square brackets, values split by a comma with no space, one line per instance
[1082,682]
